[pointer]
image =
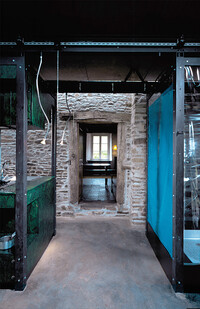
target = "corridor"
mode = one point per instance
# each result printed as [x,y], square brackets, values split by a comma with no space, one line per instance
[97,263]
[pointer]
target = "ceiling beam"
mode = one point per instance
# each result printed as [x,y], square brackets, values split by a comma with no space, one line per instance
[107,87]
[103,47]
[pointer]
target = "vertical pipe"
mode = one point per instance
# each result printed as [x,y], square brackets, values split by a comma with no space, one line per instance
[54,141]
[147,130]
[0,157]
[21,179]
[53,162]
[178,175]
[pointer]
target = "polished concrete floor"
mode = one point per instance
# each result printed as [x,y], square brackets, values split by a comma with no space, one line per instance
[97,263]
[94,189]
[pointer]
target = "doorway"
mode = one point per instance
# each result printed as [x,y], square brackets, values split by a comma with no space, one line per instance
[82,122]
[97,162]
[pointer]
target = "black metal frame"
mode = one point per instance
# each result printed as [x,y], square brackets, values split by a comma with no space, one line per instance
[181,275]
[108,87]
[184,278]
[102,47]
[176,268]
[53,151]
[178,172]
[21,172]
[21,169]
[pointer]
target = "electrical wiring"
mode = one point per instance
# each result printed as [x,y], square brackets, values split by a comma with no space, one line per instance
[63,135]
[38,95]
[190,76]
[198,76]
[67,104]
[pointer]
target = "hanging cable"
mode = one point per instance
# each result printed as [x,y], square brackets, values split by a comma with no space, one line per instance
[68,105]
[190,76]
[38,95]
[63,135]
[58,56]
[198,76]
[57,82]
[65,128]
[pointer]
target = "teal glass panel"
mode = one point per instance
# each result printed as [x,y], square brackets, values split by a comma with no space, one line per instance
[160,167]
[8,71]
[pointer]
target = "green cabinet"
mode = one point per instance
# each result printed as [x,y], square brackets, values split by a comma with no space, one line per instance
[40,224]
[8,99]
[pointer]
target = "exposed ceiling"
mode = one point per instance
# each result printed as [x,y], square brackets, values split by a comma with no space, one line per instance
[102,67]
[109,20]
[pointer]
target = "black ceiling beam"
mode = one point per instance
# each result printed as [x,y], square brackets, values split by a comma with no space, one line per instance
[128,75]
[103,47]
[139,75]
[133,71]
[107,87]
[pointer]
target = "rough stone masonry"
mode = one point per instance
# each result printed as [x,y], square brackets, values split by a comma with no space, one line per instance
[134,159]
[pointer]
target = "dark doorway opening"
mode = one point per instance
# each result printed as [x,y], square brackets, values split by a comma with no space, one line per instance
[97,162]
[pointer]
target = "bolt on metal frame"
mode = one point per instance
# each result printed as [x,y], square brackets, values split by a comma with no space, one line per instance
[21,172]
[21,169]
[178,171]
[178,119]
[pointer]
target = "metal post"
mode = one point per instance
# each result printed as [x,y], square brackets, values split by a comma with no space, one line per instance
[21,178]
[0,157]
[53,162]
[147,130]
[178,175]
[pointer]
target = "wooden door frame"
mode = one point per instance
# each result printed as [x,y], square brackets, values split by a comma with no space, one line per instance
[74,152]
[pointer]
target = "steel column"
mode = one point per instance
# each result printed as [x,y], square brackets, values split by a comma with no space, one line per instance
[178,176]
[147,132]
[21,178]
[178,171]
[53,160]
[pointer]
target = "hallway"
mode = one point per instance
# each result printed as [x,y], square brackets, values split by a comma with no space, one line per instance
[94,189]
[97,263]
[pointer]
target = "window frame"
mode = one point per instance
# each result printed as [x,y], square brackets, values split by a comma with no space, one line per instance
[89,149]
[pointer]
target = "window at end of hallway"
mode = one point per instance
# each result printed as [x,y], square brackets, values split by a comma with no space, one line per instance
[99,146]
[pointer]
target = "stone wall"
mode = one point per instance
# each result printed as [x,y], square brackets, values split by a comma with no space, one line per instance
[39,156]
[117,103]
[107,102]
[138,160]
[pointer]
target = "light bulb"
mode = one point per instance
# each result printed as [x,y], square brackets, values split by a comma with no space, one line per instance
[61,143]
[43,142]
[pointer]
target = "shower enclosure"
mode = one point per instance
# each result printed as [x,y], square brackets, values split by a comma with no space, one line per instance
[173,211]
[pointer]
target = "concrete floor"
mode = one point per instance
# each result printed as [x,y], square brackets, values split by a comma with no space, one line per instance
[97,263]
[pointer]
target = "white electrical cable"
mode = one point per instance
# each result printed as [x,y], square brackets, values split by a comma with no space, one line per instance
[63,135]
[67,104]
[57,74]
[191,71]
[57,83]
[189,76]
[198,76]
[38,94]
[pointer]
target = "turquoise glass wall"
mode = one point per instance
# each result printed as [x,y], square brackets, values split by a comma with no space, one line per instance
[160,167]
